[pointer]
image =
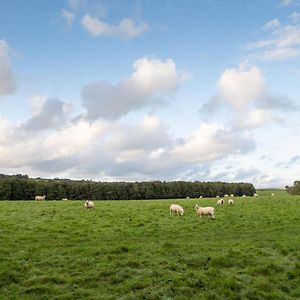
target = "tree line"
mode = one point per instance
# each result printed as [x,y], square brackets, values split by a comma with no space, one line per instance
[21,187]
[295,189]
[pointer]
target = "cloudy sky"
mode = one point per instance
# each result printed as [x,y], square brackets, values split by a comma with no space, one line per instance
[151,90]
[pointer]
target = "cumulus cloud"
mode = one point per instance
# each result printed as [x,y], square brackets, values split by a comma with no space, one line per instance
[211,142]
[245,90]
[295,17]
[7,77]
[211,106]
[241,86]
[127,28]
[105,150]
[254,118]
[151,80]
[48,113]
[277,102]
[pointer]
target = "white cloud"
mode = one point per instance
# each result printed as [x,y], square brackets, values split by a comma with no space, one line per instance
[68,16]
[127,28]
[272,24]
[287,2]
[241,86]
[254,118]
[295,17]
[7,77]
[282,44]
[151,80]
[280,54]
[47,113]
[209,143]
[252,105]
[117,151]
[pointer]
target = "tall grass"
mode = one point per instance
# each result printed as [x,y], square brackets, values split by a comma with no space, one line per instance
[136,250]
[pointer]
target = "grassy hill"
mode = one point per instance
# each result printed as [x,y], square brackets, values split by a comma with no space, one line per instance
[136,250]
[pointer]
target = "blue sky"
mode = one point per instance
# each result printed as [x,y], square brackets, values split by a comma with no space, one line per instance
[151,90]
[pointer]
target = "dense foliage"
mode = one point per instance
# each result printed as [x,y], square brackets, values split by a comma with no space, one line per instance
[294,190]
[21,187]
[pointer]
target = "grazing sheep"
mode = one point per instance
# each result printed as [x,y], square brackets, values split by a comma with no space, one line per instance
[226,195]
[89,204]
[64,199]
[187,197]
[230,202]
[255,195]
[217,196]
[40,198]
[220,202]
[205,211]
[231,195]
[176,209]
[272,194]
[200,197]
[244,196]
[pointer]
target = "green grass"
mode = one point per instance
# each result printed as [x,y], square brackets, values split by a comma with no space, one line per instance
[136,250]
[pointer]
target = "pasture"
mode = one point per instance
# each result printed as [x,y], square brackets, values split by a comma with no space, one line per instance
[136,250]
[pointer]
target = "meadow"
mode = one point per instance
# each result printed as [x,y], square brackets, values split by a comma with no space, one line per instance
[136,250]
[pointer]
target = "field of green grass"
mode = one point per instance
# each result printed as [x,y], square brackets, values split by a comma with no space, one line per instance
[136,250]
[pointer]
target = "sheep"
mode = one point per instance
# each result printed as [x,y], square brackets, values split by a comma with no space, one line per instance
[187,197]
[89,204]
[272,194]
[176,209]
[220,202]
[40,198]
[226,195]
[244,196]
[64,199]
[205,211]
[231,195]
[255,195]
[217,196]
[200,197]
[230,202]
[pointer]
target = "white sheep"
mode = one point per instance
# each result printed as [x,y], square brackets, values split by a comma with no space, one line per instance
[226,195]
[89,204]
[40,198]
[220,202]
[64,199]
[255,195]
[205,211]
[230,202]
[244,196]
[217,196]
[231,195]
[200,197]
[176,209]
[272,194]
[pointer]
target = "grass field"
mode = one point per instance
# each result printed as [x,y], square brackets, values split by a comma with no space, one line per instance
[136,250]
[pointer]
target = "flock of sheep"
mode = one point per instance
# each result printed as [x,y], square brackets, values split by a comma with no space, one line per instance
[201,211]
[205,211]
[174,208]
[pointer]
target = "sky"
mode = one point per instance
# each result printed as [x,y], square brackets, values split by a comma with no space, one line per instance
[142,90]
